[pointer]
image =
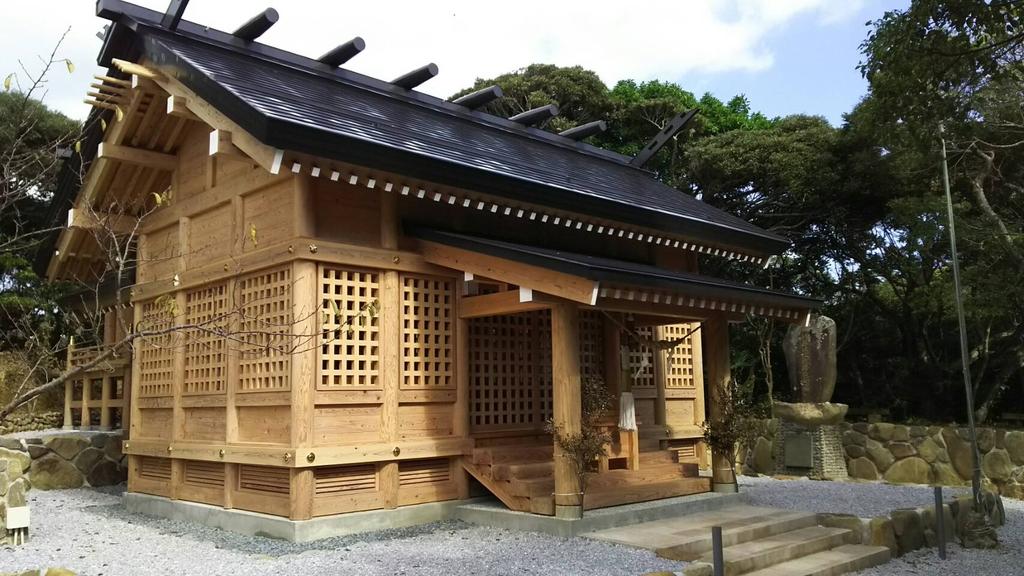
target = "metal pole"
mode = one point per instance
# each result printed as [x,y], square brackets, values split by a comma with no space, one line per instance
[940,522]
[717,558]
[964,355]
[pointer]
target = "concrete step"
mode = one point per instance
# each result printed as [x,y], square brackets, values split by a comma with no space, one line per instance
[765,552]
[839,560]
[691,545]
[685,530]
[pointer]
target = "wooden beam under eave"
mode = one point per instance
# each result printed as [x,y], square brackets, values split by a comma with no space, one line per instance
[222,146]
[138,156]
[267,157]
[116,224]
[560,284]
[178,106]
[680,313]
[500,303]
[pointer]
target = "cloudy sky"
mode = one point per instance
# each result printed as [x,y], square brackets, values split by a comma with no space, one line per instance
[787,56]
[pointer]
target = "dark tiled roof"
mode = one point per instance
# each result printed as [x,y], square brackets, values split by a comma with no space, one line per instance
[295,103]
[617,271]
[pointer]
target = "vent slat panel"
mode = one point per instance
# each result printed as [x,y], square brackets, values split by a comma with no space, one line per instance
[334,480]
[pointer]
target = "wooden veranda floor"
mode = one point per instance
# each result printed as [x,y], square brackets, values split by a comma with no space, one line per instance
[522,477]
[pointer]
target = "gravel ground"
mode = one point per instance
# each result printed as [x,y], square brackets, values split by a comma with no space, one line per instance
[868,499]
[89,531]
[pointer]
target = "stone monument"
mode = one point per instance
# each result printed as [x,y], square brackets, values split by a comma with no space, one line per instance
[810,435]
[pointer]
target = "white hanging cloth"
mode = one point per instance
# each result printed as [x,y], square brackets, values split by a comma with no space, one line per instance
[627,412]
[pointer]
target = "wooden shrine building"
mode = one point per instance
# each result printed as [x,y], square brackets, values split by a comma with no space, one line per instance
[356,296]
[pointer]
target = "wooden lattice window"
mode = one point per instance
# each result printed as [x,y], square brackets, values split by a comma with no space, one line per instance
[271,479]
[427,332]
[591,344]
[154,468]
[200,473]
[349,355]
[679,359]
[205,347]
[265,302]
[156,353]
[510,371]
[436,471]
[641,359]
[354,479]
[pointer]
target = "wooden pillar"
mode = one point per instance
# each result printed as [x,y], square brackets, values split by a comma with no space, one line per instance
[105,403]
[305,314]
[86,422]
[660,359]
[612,358]
[390,334]
[566,398]
[461,425]
[715,336]
[69,388]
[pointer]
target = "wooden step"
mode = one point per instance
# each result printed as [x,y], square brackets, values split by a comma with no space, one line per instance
[691,545]
[522,471]
[531,487]
[658,456]
[512,454]
[651,472]
[839,560]
[603,497]
[764,552]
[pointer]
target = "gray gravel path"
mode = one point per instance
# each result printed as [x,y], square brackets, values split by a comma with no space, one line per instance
[868,499]
[89,531]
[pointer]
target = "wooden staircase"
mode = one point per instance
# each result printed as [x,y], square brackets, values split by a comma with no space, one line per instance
[522,477]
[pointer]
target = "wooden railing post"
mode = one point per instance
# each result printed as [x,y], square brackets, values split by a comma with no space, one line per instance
[86,422]
[105,404]
[69,388]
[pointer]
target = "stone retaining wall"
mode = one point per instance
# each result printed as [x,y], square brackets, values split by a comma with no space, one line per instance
[913,455]
[30,422]
[68,459]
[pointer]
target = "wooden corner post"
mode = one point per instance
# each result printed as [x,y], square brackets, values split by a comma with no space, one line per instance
[715,336]
[566,399]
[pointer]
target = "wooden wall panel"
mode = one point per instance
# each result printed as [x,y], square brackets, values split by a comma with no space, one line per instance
[264,424]
[262,489]
[428,335]
[210,235]
[155,423]
[156,353]
[266,325]
[349,356]
[202,482]
[204,424]
[340,489]
[271,213]
[684,381]
[350,424]
[346,213]
[422,481]
[205,348]
[425,420]
[150,475]
[158,258]
[193,160]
